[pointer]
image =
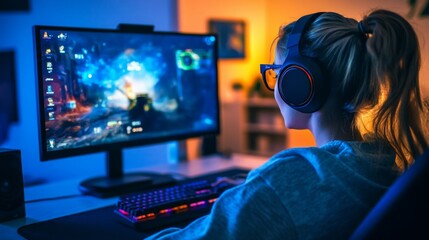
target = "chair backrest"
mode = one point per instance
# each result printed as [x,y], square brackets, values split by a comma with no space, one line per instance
[403,211]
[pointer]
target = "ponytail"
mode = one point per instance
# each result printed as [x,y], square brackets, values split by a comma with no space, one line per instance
[395,56]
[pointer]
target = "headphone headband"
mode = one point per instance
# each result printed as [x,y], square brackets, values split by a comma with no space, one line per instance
[300,27]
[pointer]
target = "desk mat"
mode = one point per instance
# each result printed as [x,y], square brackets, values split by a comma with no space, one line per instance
[100,223]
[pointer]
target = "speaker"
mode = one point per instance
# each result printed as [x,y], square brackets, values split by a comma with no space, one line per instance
[11,185]
[302,84]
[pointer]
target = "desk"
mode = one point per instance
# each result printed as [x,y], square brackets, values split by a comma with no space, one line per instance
[45,210]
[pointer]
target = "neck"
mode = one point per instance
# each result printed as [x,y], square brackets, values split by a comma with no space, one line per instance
[326,126]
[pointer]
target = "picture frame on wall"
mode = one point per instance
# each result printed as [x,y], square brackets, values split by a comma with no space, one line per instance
[231,34]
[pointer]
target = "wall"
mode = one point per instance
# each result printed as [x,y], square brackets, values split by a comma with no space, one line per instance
[263,18]
[16,29]
[253,12]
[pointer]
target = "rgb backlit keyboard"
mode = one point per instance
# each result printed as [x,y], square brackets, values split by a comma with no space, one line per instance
[164,206]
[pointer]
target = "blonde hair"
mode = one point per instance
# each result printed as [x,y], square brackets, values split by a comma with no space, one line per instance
[373,71]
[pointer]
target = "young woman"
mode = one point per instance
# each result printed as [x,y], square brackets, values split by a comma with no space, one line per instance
[355,86]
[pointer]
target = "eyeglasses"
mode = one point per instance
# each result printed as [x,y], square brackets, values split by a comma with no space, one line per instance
[269,75]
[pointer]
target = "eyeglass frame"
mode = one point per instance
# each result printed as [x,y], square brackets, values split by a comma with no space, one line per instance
[263,68]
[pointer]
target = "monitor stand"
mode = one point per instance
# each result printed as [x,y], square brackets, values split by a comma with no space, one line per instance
[116,182]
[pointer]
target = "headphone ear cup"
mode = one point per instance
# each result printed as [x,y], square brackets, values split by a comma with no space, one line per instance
[302,85]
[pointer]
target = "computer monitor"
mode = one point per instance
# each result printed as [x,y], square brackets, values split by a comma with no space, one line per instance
[103,90]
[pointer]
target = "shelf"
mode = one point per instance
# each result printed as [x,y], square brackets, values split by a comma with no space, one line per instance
[254,126]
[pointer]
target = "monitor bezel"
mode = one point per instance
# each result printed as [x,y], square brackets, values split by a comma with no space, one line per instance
[46,155]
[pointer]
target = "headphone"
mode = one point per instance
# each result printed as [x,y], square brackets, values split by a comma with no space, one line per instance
[301,82]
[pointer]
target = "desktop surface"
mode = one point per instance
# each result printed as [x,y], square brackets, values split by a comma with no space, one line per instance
[40,211]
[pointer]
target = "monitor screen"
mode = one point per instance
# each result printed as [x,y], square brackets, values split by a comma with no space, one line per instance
[104,88]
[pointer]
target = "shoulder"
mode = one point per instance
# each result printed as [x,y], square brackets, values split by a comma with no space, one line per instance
[296,160]
[335,156]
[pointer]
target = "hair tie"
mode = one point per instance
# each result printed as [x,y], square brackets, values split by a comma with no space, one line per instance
[362,28]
